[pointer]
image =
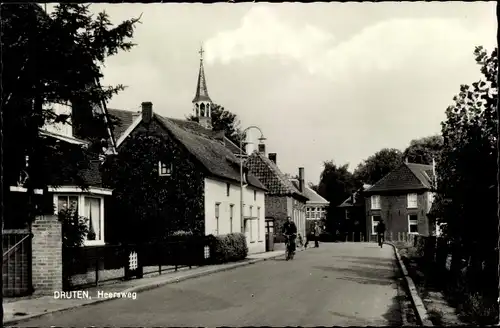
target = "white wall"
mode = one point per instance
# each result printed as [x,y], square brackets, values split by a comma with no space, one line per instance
[61,128]
[216,192]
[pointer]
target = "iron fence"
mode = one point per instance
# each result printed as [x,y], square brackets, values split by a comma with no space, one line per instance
[93,265]
[16,263]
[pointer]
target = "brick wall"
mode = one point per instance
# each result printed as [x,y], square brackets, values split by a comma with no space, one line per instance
[47,255]
[395,213]
[277,208]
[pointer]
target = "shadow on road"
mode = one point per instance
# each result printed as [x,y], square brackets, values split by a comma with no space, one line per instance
[393,314]
[362,274]
[365,260]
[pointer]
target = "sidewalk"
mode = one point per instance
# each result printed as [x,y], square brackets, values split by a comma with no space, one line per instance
[24,309]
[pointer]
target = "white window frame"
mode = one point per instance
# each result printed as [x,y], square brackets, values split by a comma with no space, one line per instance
[164,170]
[374,226]
[81,212]
[412,222]
[231,215]
[217,216]
[410,202]
[375,205]
[308,212]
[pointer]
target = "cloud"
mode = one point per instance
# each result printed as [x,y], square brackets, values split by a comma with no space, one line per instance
[385,46]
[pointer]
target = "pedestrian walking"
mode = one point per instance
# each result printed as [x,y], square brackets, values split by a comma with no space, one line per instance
[317,232]
[300,240]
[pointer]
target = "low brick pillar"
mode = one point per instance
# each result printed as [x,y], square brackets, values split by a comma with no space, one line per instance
[47,264]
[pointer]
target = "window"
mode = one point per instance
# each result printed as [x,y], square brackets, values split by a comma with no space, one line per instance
[258,223]
[375,220]
[92,208]
[255,195]
[412,200]
[228,189]
[164,169]
[375,202]
[308,212]
[93,214]
[413,223]
[67,203]
[231,214]
[217,206]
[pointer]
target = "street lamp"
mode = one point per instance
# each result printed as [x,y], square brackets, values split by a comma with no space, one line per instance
[261,139]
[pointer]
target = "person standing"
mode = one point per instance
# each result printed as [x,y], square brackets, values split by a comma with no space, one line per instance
[317,232]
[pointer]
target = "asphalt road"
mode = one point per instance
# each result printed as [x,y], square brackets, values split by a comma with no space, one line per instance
[342,284]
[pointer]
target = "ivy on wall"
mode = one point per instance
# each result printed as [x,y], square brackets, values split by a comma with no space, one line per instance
[145,205]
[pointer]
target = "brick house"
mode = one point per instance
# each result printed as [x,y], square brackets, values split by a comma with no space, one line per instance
[402,199]
[215,180]
[353,209]
[282,198]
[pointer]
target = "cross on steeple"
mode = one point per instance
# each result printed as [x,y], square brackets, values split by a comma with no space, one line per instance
[201,52]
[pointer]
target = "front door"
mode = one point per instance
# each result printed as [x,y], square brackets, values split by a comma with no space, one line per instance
[269,235]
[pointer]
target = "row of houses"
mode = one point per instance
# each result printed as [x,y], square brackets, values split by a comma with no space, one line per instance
[255,203]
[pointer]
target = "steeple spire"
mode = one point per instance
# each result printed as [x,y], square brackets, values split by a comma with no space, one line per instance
[202,104]
[201,87]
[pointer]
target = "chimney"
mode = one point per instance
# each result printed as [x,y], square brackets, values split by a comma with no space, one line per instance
[262,148]
[147,111]
[272,157]
[301,179]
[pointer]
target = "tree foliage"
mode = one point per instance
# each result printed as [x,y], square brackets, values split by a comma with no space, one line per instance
[149,206]
[467,169]
[224,120]
[378,165]
[423,150]
[49,59]
[336,185]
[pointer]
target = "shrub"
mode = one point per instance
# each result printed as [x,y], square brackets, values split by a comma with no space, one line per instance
[74,228]
[229,248]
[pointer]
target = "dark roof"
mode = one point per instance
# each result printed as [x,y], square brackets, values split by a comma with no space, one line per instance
[408,176]
[127,117]
[349,201]
[201,86]
[271,176]
[212,153]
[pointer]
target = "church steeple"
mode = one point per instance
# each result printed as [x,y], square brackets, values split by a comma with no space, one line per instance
[202,104]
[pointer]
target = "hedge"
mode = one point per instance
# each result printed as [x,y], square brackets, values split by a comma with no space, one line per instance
[229,248]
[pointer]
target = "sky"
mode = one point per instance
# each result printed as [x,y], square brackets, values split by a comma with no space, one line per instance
[323,81]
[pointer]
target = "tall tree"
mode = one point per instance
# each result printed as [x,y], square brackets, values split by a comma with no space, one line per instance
[468,167]
[49,59]
[336,185]
[224,120]
[378,165]
[423,150]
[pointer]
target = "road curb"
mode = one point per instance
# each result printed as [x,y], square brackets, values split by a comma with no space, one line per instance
[419,307]
[142,288]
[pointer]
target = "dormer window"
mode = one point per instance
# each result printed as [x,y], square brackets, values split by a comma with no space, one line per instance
[165,169]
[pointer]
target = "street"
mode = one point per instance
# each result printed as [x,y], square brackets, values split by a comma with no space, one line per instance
[337,284]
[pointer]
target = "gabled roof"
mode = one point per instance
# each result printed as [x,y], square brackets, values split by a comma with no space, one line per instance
[214,155]
[351,201]
[127,119]
[312,195]
[407,176]
[205,145]
[271,176]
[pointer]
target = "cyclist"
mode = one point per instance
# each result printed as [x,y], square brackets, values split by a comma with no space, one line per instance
[381,232]
[290,232]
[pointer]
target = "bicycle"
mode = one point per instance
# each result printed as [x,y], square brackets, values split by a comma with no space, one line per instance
[289,254]
[381,240]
